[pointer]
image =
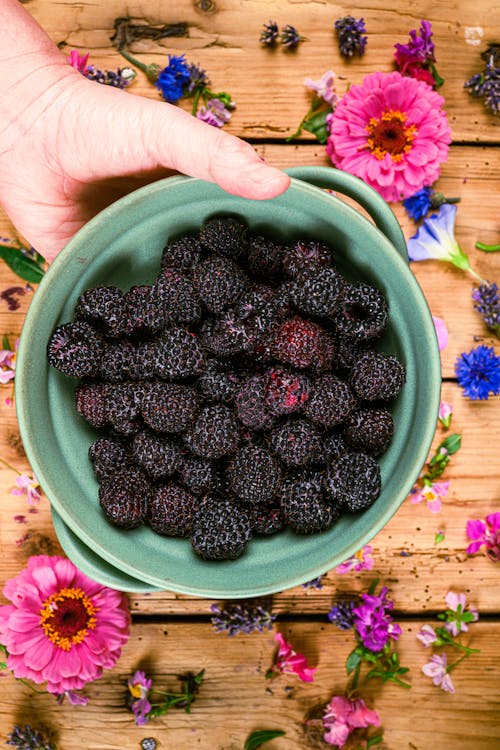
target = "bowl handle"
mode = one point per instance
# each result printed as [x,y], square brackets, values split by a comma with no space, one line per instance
[353,187]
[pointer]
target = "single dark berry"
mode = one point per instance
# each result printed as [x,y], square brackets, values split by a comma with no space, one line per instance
[218,382]
[317,292]
[302,503]
[302,343]
[224,236]
[353,481]
[370,430]
[225,336]
[267,518]
[221,529]
[264,259]
[159,456]
[347,351]
[306,255]
[286,391]
[197,474]
[90,403]
[177,298]
[254,475]
[108,457]
[330,401]
[258,310]
[219,282]
[251,404]
[334,446]
[178,354]
[169,407]
[171,510]
[125,498]
[144,316]
[182,254]
[214,433]
[297,442]
[116,361]
[122,408]
[104,307]
[75,349]
[377,377]
[363,313]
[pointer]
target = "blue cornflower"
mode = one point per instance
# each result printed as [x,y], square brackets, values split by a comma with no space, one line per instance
[478,373]
[418,205]
[342,614]
[487,303]
[174,79]
[350,33]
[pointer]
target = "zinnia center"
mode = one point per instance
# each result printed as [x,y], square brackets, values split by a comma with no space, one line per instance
[67,616]
[389,135]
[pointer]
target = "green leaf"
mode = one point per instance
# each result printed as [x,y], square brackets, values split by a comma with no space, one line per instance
[352,661]
[452,443]
[25,267]
[256,739]
[374,740]
[439,537]
[316,124]
[5,345]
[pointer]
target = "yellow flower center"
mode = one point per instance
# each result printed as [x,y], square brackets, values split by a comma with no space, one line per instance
[390,135]
[67,616]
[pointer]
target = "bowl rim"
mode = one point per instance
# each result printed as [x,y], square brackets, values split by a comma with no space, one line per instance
[57,270]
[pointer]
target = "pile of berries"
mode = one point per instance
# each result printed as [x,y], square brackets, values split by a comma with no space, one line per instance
[240,393]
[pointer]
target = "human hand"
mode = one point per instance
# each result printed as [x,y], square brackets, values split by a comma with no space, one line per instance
[79,145]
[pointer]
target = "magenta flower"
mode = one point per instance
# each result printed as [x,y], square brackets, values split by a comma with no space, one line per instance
[215,113]
[392,132]
[416,59]
[432,493]
[8,364]
[61,628]
[457,616]
[361,560]
[485,532]
[78,61]
[342,716]
[427,635]
[325,88]
[445,413]
[28,486]
[289,661]
[441,332]
[437,669]
[139,686]
[373,622]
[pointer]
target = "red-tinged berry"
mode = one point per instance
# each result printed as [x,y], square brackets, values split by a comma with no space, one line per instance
[302,343]
[171,510]
[330,401]
[221,529]
[125,498]
[254,475]
[286,391]
[75,349]
[353,481]
[376,376]
[363,313]
[90,403]
[370,430]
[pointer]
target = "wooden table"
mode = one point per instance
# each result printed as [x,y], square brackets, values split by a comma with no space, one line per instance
[172,632]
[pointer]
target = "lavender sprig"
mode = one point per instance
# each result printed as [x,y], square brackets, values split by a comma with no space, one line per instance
[351,36]
[28,739]
[241,618]
[486,83]
[487,304]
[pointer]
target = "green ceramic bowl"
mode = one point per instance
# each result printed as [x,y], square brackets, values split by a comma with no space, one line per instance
[122,246]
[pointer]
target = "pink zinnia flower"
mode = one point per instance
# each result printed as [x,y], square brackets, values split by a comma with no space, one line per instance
[485,532]
[289,661]
[437,669]
[361,560]
[62,628]
[342,716]
[28,486]
[392,132]
[432,493]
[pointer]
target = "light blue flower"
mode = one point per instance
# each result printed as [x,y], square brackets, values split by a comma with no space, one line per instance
[435,240]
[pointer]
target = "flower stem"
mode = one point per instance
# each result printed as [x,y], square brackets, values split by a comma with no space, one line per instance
[488,248]
[9,466]
[151,71]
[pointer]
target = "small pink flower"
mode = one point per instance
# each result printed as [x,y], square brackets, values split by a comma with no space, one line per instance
[78,61]
[8,364]
[445,413]
[28,486]
[325,88]
[458,615]
[342,716]
[289,661]
[361,560]
[61,627]
[432,494]
[437,669]
[485,532]
[441,332]
[215,113]
[427,635]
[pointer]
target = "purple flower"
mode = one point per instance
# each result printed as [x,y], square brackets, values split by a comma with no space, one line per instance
[173,80]
[28,486]
[485,532]
[437,669]
[478,373]
[432,493]
[314,583]
[139,686]
[427,635]
[435,239]
[457,616]
[373,622]
[351,35]
[325,88]
[198,78]
[487,304]
[73,697]
[215,113]
[362,560]
[416,59]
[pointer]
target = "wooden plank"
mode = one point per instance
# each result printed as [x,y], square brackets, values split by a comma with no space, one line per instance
[405,554]
[225,41]
[236,699]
